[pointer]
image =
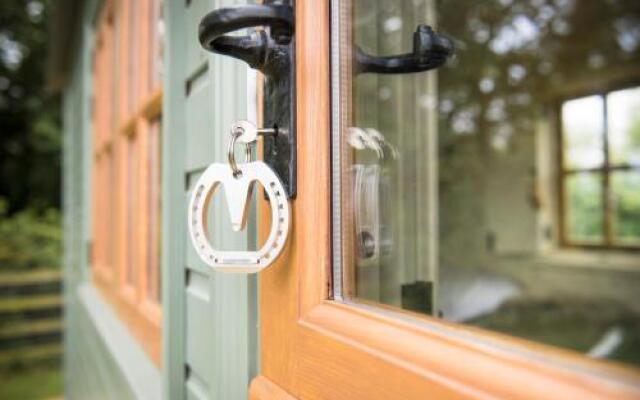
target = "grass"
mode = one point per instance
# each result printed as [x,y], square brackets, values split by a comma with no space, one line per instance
[30,361]
[31,384]
[20,358]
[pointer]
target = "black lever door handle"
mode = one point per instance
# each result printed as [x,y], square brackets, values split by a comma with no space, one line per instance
[271,51]
[430,51]
[253,49]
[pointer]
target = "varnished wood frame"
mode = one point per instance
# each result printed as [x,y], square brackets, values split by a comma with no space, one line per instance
[141,314]
[316,348]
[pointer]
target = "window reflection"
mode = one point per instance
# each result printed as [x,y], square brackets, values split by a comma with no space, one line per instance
[584,207]
[500,191]
[626,204]
[583,128]
[623,116]
[157,34]
[599,170]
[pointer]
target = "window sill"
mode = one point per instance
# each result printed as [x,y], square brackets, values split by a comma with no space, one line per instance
[601,259]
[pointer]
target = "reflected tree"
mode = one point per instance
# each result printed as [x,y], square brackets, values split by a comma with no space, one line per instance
[516,59]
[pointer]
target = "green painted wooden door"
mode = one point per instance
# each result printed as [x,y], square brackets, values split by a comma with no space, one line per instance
[210,318]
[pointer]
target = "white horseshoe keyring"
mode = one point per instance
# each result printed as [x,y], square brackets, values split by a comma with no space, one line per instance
[238,181]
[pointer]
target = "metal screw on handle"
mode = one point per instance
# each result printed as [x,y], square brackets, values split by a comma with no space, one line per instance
[247,133]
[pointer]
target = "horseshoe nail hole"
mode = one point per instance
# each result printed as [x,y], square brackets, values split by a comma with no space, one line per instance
[272,184]
[215,260]
[281,206]
[281,219]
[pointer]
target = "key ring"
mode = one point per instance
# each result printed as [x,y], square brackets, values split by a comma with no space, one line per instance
[238,182]
[231,156]
[246,133]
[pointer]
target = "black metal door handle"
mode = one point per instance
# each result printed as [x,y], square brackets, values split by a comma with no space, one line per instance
[253,49]
[430,51]
[271,51]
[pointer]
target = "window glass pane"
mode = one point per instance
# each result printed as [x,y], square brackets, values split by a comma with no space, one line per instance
[157,31]
[154,152]
[388,175]
[583,125]
[108,211]
[131,41]
[626,204]
[479,193]
[98,231]
[623,112]
[584,207]
[131,207]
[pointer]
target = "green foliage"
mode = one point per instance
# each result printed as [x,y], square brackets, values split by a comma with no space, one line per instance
[30,239]
[634,132]
[585,206]
[39,383]
[30,138]
[626,187]
[586,210]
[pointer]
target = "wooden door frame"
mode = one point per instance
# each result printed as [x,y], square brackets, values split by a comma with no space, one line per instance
[314,347]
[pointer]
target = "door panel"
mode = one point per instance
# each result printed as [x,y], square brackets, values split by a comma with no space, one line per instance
[315,347]
[209,345]
[199,351]
[200,140]
[195,57]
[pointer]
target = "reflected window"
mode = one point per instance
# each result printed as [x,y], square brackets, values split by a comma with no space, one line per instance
[601,169]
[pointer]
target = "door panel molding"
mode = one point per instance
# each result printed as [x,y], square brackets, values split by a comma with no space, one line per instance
[313,347]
